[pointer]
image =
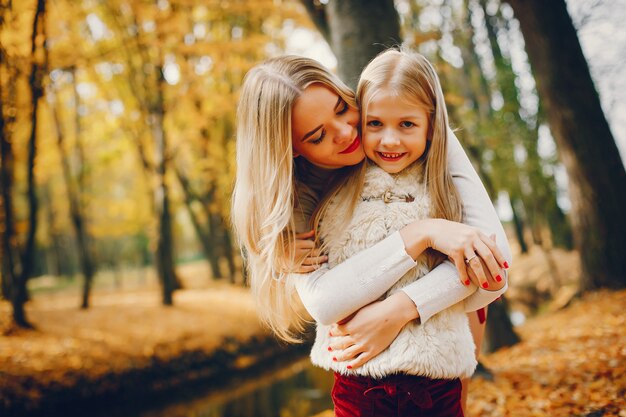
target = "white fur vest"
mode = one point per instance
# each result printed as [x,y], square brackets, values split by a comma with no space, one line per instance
[440,348]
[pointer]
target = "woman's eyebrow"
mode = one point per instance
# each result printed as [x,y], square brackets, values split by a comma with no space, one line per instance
[307,135]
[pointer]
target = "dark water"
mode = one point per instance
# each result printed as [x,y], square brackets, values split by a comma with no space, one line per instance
[297,390]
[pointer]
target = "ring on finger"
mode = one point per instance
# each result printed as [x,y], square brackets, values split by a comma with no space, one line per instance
[467,261]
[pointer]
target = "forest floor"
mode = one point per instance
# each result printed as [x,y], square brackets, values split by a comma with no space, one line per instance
[571,361]
[128,342]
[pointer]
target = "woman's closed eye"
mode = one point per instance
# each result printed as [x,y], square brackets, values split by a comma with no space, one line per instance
[319,139]
[343,109]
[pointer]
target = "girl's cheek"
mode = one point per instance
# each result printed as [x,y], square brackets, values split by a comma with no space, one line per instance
[367,143]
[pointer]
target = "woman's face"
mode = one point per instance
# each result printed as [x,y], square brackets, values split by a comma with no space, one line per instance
[324,129]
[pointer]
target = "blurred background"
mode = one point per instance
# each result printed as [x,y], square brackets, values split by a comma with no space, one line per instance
[121,278]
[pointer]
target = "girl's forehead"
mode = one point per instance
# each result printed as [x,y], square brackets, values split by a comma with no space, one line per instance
[395,95]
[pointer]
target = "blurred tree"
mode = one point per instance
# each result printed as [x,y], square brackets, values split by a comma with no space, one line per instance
[596,173]
[356,31]
[145,32]
[74,177]
[18,259]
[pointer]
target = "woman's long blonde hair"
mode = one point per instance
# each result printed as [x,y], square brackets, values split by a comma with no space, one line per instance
[411,77]
[264,194]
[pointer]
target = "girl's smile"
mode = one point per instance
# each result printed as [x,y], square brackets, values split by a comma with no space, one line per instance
[392,157]
[395,132]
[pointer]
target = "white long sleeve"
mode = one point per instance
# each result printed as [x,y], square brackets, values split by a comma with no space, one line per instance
[442,288]
[330,295]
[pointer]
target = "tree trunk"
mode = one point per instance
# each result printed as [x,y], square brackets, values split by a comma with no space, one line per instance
[204,236]
[586,145]
[518,222]
[9,255]
[19,292]
[356,31]
[499,331]
[227,247]
[53,253]
[75,184]
[164,256]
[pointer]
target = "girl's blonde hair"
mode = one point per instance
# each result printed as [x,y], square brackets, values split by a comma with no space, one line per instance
[411,77]
[264,194]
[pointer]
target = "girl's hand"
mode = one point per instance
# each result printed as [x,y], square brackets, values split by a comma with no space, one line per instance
[308,257]
[369,331]
[466,246]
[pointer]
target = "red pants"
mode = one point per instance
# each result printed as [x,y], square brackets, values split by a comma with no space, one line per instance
[396,396]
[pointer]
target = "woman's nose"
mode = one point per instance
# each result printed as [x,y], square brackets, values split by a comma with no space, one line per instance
[345,132]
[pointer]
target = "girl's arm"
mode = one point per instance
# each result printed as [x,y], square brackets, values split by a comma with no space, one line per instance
[369,329]
[479,212]
[330,295]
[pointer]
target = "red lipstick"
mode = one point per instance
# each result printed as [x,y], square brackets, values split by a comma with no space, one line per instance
[353,146]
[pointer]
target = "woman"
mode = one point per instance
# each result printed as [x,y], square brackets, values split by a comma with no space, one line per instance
[297,144]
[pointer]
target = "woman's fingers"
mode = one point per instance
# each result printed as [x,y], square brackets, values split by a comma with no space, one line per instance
[459,262]
[305,269]
[340,343]
[490,242]
[473,262]
[348,354]
[337,330]
[304,245]
[361,359]
[487,257]
[306,235]
[309,252]
[314,260]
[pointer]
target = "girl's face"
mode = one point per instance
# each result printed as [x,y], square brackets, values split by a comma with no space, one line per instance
[395,132]
[324,129]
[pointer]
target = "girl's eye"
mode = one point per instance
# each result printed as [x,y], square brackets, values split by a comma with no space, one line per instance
[318,140]
[374,123]
[343,109]
[407,124]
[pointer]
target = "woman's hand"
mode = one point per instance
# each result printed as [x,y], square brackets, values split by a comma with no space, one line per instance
[369,331]
[308,257]
[466,246]
[493,284]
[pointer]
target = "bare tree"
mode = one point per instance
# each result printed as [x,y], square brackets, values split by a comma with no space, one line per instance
[356,31]
[18,263]
[585,143]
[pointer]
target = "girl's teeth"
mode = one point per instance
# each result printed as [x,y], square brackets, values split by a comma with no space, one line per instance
[390,155]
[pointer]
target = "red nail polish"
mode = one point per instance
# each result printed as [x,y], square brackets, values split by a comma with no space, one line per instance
[485,285]
[506,264]
[467,282]
[498,278]
[349,366]
[334,359]
[330,349]
[330,334]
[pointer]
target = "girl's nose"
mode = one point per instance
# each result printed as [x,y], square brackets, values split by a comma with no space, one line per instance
[389,139]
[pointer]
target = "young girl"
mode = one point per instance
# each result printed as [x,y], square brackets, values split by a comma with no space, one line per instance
[407,179]
[296,135]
